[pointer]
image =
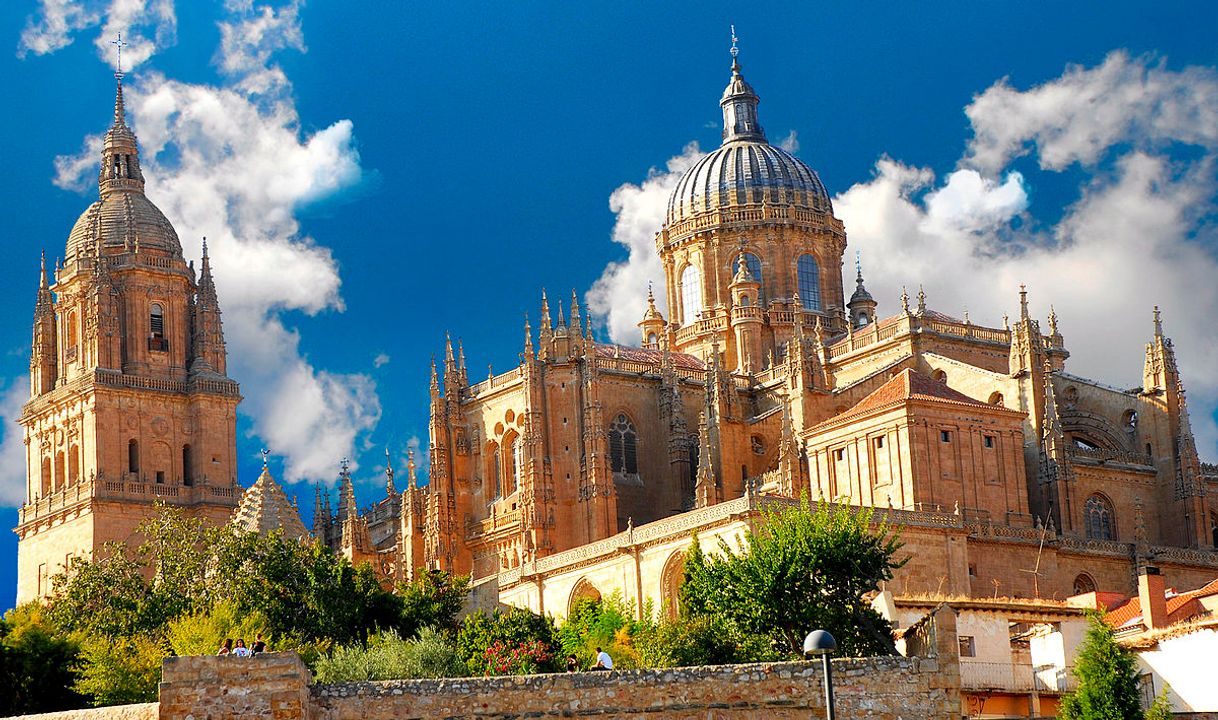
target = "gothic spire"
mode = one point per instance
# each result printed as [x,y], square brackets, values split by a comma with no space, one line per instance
[410,470]
[120,167]
[576,328]
[207,340]
[528,338]
[390,490]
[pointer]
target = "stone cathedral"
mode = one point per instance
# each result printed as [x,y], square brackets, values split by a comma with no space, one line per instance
[130,403]
[585,469]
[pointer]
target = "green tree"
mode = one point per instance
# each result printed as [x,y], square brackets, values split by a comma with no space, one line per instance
[433,599]
[202,633]
[1107,679]
[36,664]
[803,568]
[1160,709]
[699,640]
[118,671]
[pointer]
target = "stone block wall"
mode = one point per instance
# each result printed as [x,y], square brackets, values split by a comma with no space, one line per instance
[276,686]
[142,711]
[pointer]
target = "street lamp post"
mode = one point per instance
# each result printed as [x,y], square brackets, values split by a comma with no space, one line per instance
[820,642]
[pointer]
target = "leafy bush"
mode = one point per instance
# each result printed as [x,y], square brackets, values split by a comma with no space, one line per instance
[1107,679]
[202,633]
[699,640]
[388,657]
[511,628]
[35,664]
[607,624]
[526,658]
[434,600]
[117,671]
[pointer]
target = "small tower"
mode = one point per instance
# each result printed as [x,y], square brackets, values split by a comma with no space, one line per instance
[653,323]
[862,305]
[746,317]
[44,369]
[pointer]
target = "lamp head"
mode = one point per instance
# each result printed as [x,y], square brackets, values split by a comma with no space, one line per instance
[819,642]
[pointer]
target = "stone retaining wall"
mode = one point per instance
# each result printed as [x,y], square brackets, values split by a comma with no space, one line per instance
[142,711]
[276,686]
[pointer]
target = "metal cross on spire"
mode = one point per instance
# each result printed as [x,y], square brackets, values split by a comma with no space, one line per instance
[735,50]
[119,44]
[858,263]
[265,454]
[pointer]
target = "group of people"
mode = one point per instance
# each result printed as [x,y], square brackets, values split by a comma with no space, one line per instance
[603,662]
[240,650]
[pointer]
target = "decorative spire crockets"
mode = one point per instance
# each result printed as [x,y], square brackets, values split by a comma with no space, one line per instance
[739,105]
[120,166]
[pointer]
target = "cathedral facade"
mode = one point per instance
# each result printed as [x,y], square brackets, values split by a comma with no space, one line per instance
[130,401]
[764,381]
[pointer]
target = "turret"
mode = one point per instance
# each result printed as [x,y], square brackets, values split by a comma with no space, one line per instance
[652,325]
[207,341]
[390,490]
[44,367]
[861,306]
[746,317]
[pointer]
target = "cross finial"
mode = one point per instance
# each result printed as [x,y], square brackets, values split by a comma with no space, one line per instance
[265,454]
[858,263]
[735,50]
[119,44]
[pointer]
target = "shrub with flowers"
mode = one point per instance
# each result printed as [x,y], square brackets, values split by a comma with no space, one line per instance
[526,658]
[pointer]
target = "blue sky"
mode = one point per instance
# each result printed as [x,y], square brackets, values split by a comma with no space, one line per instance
[370,175]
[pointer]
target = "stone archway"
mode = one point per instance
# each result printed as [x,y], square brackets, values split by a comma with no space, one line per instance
[671,579]
[583,589]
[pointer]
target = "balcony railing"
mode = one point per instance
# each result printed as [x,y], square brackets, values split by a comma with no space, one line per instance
[1012,677]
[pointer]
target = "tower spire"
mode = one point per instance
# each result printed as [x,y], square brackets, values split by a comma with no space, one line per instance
[390,490]
[739,104]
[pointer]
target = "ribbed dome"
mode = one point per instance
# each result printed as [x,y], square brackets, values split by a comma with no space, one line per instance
[746,169]
[743,172]
[120,218]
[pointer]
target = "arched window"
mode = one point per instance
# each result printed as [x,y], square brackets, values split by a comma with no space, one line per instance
[691,294]
[59,471]
[996,398]
[493,470]
[511,464]
[133,456]
[188,475]
[623,446]
[1100,520]
[808,275]
[73,464]
[71,330]
[1083,584]
[46,476]
[754,264]
[156,328]
[940,376]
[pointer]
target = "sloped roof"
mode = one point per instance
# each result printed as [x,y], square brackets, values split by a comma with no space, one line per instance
[681,360]
[907,385]
[265,507]
[1180,607]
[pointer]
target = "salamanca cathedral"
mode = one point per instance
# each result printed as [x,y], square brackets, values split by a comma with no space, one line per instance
[586,469]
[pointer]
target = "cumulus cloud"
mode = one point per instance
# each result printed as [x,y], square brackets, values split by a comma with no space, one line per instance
[147,26]
[232,163]
[1080,116]
[381,360]
[1137,234]
[619,296]
[790,143]
[12,443]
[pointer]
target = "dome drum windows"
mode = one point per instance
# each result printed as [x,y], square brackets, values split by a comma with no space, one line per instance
[807,273]
[691,294]
[156,329]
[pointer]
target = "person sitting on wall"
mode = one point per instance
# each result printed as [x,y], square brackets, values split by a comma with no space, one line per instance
[226,648]
[603,661]
[258,647]
[572,663]
[241,650]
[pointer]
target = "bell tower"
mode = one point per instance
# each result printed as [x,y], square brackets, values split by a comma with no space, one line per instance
[130,403]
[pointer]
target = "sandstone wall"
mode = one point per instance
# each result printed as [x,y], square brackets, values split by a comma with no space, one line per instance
[142,711]
[275,686]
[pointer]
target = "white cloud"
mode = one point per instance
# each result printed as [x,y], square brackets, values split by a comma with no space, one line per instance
[620,294]
[790,143]
[1080,116]
[231,163]
[1136,236]
[147,26]
[12,443]
[381,360]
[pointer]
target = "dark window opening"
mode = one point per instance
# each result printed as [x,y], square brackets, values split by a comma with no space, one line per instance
[160,477]
[989,441]
[623,446]
[188,477]
[945,436]
[133,456]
